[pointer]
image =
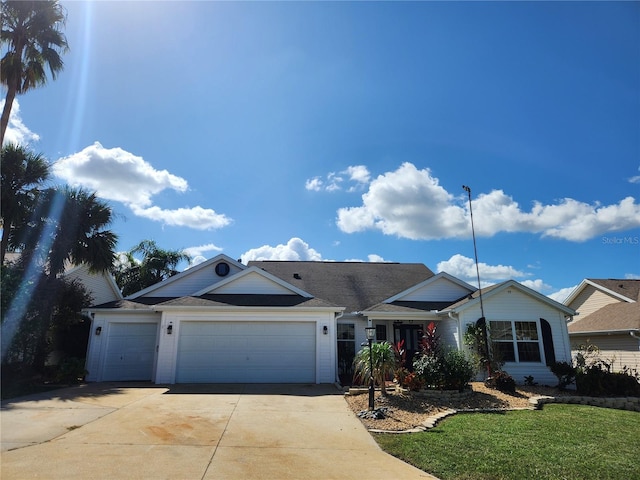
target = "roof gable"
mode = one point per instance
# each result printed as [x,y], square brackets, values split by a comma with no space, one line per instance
[439,288]
[622,289]
[192,280]
[497,289]
[252,281]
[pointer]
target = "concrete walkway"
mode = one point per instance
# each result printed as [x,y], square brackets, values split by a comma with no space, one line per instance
[127,431]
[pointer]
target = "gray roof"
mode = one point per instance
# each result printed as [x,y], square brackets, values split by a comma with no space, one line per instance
[612,317]
[354,285]
[401,306]
[624,287]
[243,300]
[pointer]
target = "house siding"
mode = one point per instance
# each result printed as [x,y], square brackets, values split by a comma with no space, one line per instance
[439,290]
[97,284]
[590,300]
[196,281]
[621,350]
[512,304]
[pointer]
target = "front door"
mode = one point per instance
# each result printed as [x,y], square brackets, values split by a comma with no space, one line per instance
[411,335]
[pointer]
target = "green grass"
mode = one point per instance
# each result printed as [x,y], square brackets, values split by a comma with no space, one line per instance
[560,442]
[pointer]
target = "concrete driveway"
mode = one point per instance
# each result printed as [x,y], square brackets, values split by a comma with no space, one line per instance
[124,430]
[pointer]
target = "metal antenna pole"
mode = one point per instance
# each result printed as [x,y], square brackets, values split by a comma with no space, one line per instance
[483,318]
[475,249]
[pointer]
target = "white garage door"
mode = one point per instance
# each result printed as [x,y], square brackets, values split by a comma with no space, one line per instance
[130,351]
[246,352]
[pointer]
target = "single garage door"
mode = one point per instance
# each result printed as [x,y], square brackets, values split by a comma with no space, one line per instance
[130,351]
[246,352]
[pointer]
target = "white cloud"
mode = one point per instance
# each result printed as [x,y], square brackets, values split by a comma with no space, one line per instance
[632,276]
[314,184]
[635,179]
[196,253]
[295,249]
[17,132]
[197,218]
[465,269]
[410,203]
[116,174]
[372,257]
[538,285]
[358,175]
[121,176]
[562,294]
[201,249]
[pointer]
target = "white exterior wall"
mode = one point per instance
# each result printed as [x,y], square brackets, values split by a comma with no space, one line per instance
[194,282]
[512,304]
[325,344]
[439,290]
[98,343]
[98,284]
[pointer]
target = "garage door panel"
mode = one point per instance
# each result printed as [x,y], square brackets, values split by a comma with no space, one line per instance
[246,352]
[130,351]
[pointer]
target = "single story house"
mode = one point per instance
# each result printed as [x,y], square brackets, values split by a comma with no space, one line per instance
[302,322]
[609,318]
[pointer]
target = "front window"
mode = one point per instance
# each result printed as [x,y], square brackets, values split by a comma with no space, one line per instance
[515,341]
[346,351]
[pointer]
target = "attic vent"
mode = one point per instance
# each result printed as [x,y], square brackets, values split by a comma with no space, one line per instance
[297,276]
[222,269]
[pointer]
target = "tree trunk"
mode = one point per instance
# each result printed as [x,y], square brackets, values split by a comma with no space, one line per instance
[6,112]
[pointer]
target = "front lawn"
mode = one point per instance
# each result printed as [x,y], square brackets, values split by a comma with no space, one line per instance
[560,442]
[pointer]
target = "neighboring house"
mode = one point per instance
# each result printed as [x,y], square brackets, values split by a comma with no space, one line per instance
[101,286]
[302,322]
[608,317]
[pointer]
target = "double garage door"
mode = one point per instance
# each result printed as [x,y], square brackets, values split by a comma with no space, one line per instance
[246,352]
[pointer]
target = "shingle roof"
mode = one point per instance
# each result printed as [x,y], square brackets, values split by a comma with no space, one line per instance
[354,285]
[627,288]
[400,306]
[143,303]
[615,316]
[246,301]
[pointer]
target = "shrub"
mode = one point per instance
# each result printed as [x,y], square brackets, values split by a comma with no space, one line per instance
[564,372]
[71,370]
[528,381]
[429,369]
[457,370]
[451,370]
[502,381]
[597,380]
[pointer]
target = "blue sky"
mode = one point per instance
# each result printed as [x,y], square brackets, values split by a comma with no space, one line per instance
[345,131]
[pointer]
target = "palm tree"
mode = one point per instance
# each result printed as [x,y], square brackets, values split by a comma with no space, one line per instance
[71,226]
[31,31]
[156,265]
[23,172]
[384,364]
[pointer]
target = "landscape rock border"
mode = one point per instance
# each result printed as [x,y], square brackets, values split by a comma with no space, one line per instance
[536,403]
